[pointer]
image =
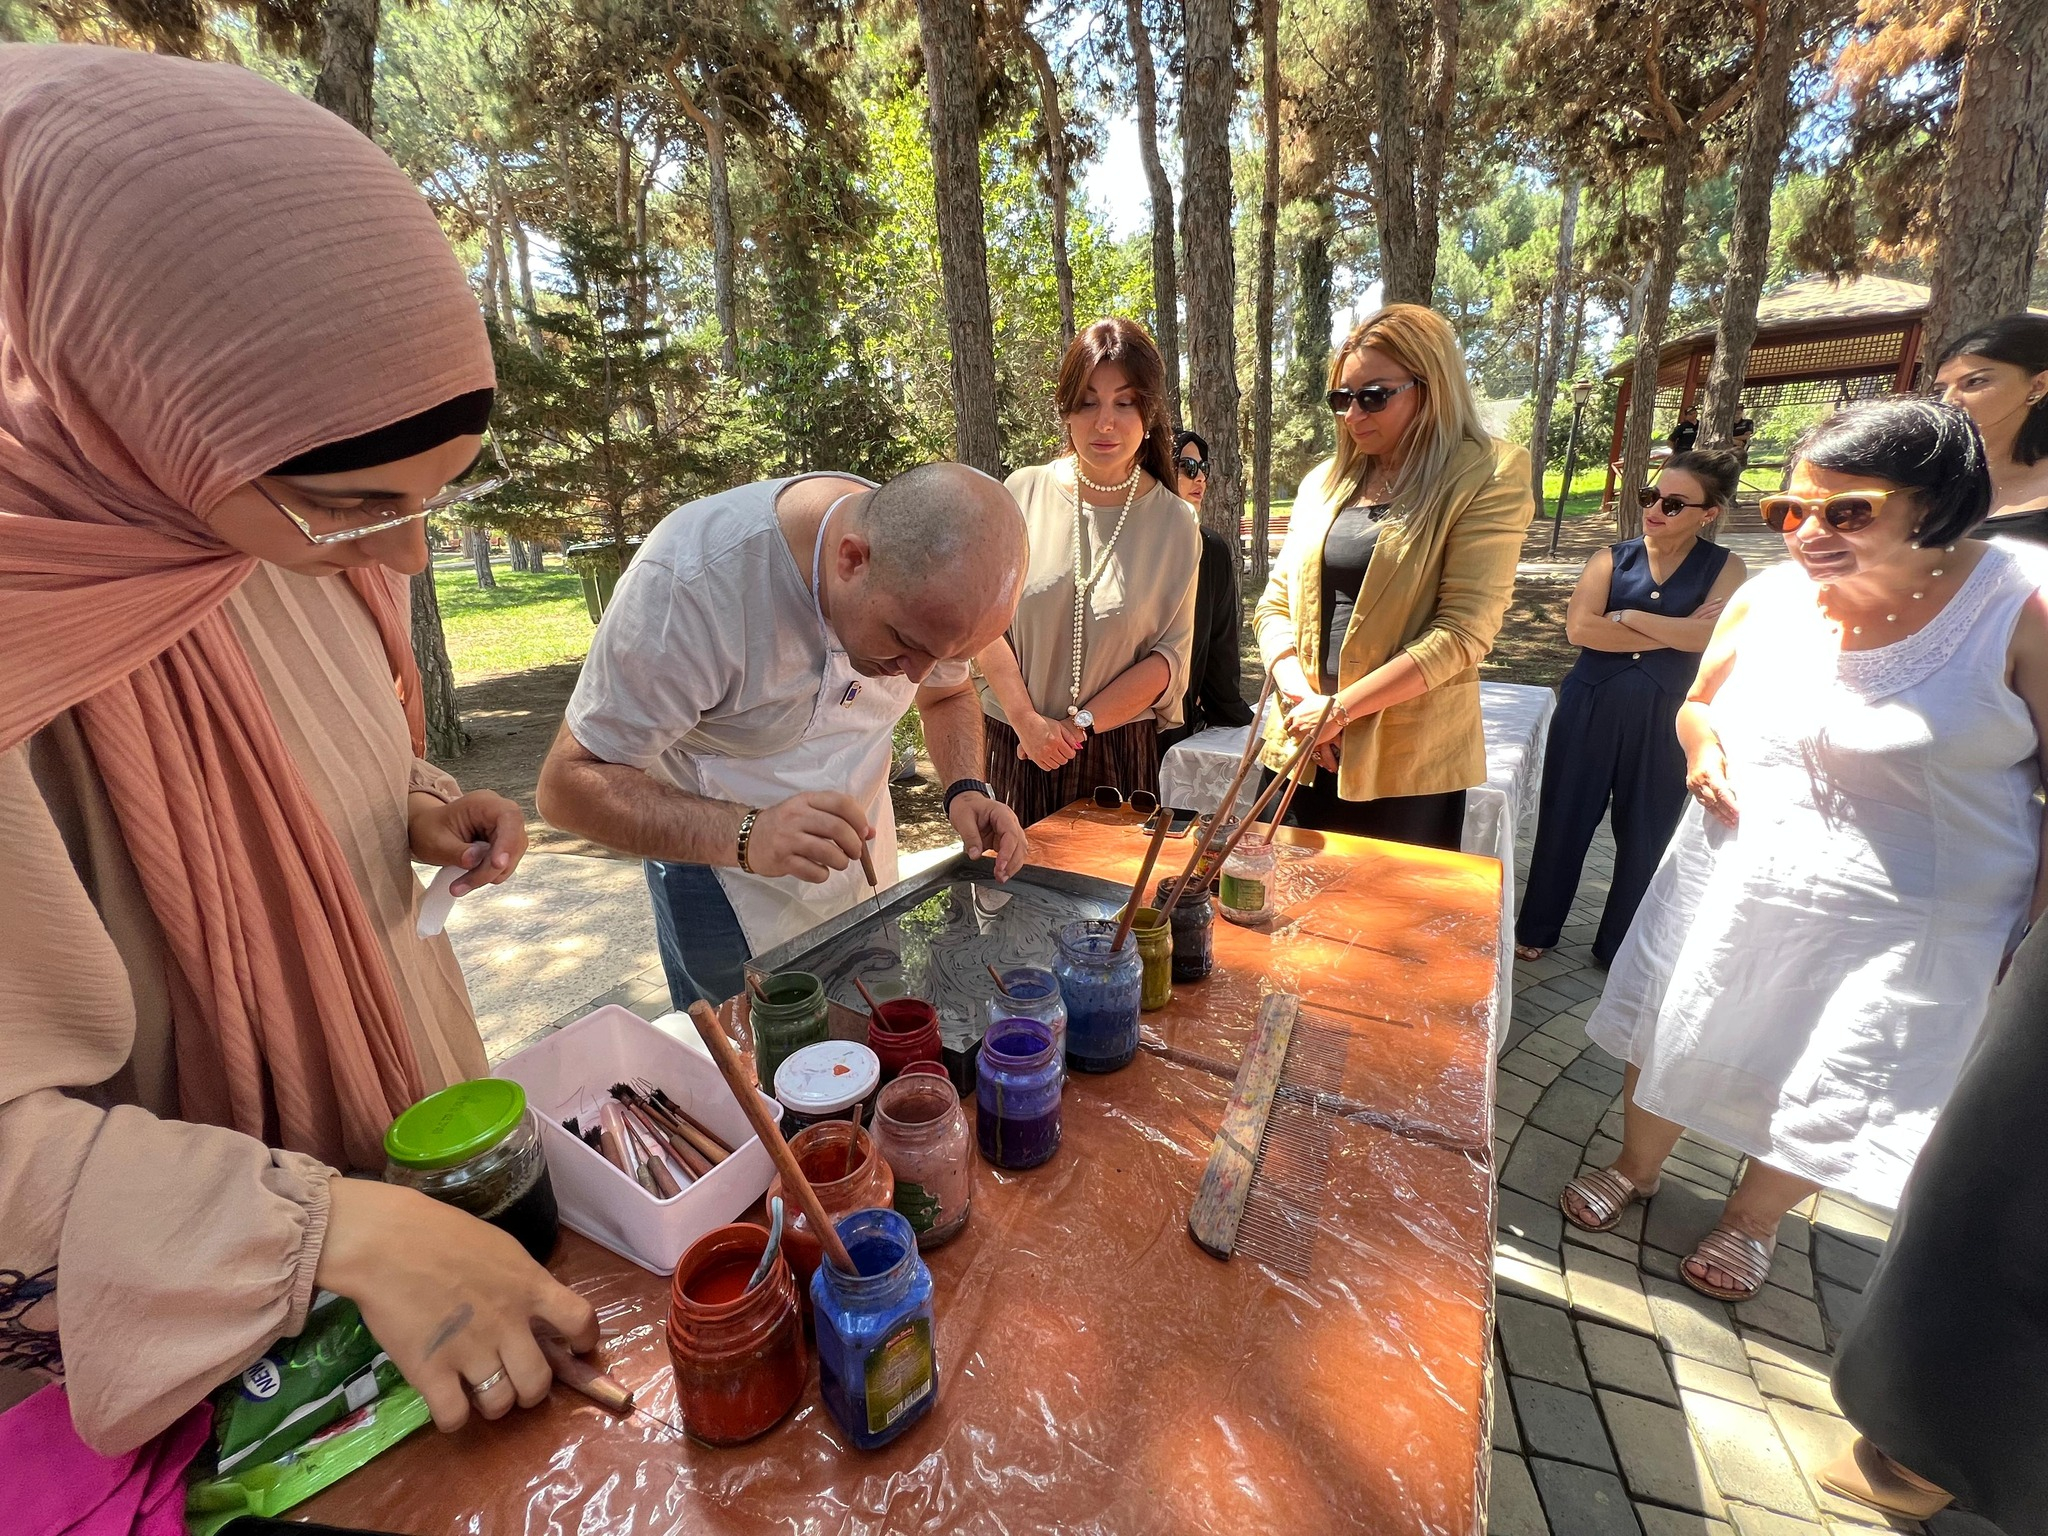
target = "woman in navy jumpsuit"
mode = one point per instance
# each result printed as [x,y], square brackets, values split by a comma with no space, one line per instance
[1641,614]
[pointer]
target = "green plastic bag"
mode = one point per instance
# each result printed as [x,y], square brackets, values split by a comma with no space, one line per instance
[272,1487]
[324,1372]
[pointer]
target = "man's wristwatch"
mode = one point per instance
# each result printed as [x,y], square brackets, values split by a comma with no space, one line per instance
[966,787]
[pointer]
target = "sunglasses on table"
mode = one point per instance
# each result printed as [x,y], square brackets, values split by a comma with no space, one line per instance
[1109,797]
[1845,511]
[377,518]
[1191,469]
[1371,399]
[1649,496]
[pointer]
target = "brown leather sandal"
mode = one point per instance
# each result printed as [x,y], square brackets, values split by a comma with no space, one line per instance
[1605,1192]
[1867,1475]
[1529,952]
[1733,1252]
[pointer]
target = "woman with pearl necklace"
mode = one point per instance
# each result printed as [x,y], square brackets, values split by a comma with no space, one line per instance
[1096,662]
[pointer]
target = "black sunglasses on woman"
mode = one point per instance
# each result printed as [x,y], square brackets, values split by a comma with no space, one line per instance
[1372,399]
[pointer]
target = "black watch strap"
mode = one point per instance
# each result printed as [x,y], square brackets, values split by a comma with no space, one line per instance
[966,787]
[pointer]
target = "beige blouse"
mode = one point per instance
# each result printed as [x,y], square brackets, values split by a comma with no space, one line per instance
[1143,603]
[179,1252]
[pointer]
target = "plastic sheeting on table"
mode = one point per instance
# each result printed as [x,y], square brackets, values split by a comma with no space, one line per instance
[1098,1372]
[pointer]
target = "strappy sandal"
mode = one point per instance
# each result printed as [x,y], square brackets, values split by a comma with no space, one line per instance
[1607,1193]
[1733,1252]
[1867,1475]
[1529,952]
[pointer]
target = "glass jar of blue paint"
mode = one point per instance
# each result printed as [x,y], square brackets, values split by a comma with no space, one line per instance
[1017,1094]
[1103,991]
[1031,992]
[878,1367]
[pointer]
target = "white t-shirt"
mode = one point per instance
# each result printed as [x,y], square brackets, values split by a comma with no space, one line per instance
[712,646]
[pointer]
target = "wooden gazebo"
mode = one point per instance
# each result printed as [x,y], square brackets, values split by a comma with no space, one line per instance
[1817,342]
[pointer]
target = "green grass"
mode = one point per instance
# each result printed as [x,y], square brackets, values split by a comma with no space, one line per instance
[531,620]
[1584,499]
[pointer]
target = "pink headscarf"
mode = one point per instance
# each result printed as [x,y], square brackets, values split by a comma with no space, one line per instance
[202,275]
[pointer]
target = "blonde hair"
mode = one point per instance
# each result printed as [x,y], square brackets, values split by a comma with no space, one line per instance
[1422,342]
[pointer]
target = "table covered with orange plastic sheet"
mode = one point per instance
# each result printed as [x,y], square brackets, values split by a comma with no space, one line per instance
[1098,1372]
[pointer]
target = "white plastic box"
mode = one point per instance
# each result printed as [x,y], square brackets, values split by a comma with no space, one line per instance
[571,1073]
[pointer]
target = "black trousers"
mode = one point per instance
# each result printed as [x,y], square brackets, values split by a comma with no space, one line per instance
[1429,821]
[1618,741]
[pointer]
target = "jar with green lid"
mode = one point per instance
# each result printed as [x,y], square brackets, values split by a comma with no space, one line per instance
[788,1013]
[476,1146]
[1155,951]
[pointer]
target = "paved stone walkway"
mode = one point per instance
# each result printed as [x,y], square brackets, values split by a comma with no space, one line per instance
[1624,1402]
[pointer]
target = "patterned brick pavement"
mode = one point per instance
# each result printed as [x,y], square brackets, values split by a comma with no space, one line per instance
[1625,1403]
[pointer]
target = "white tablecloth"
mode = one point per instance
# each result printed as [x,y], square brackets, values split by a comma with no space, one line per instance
[1195,773]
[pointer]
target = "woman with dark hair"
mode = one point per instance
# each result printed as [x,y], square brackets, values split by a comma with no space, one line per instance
[1813,958]
[1999,374]
[1215,695]
[1097,659]
[1391,586]
[1641,615]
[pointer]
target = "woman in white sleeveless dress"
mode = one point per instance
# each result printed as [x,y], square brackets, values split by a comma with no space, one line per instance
[1816,952]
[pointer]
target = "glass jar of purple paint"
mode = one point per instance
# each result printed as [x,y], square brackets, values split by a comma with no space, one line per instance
[1017,1094]
[1103,991]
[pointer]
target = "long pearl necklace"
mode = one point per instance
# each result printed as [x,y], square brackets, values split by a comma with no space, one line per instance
[1890,618]
[1084,582]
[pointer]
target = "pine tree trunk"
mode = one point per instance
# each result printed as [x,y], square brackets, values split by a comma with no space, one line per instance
[1440,96]
[1207,102]
[479,543]
[1403,279]
[348,61]
[1315,284]
[1676,154]
[1054,122]
[948,31]
[446,739]
[711,121]
[1269,224]
[1165,280]
[1996,177]
[1749,246]
[501,304]
[1550,371]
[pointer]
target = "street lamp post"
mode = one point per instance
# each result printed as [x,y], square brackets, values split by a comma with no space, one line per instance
[1582,391]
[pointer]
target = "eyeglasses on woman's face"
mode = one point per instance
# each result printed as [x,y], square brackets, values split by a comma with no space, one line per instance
[335,519]
[1191,468]
[1845,511]
[1371,399]
[1649,496]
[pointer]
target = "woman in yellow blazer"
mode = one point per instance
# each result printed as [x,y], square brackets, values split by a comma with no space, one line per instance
[1399,562]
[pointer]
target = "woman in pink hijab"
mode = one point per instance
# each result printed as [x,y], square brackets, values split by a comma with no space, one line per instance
[237,357]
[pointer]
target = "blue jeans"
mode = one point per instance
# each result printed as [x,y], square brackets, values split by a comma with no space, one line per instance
[689,900]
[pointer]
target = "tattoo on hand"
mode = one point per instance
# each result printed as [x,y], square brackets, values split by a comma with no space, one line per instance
[455,1322]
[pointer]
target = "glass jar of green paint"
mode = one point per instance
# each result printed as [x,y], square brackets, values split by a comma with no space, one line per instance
[788,1013]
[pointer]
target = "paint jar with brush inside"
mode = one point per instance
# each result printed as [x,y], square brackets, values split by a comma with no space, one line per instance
[878,1365]
[788,1013]
[476,1146]
[921,1130]
[1194,930]
[1245,893]
[1104,989]
[1155,958]
[849,1174]
[736,1343]
[902,1030]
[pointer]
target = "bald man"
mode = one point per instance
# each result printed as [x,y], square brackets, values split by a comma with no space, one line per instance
[733,725]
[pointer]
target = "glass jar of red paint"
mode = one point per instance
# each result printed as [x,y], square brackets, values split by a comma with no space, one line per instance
[849,1174]
[738,1351]
[903,1030]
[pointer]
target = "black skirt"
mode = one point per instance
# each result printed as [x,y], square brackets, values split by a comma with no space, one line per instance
[1430,821]
[1126,758]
